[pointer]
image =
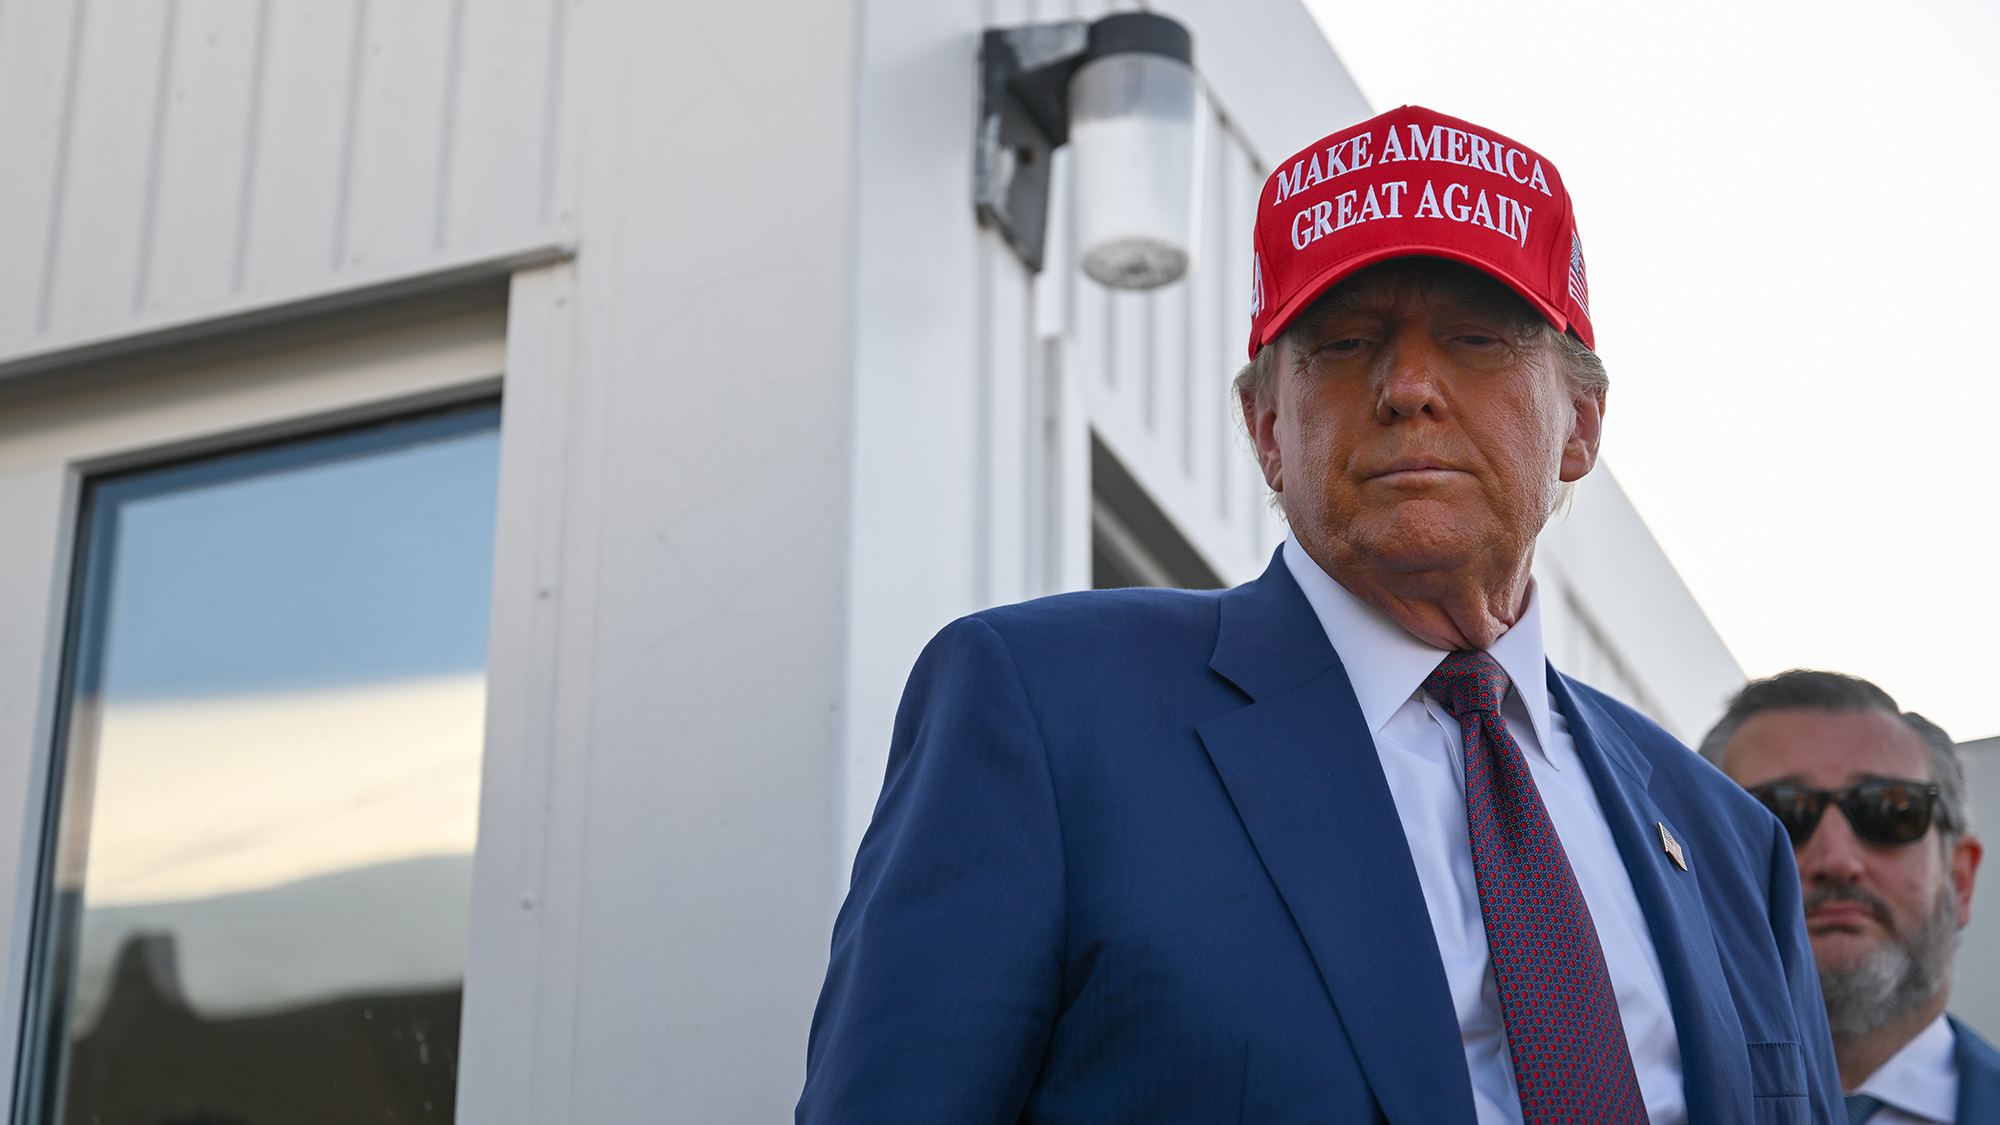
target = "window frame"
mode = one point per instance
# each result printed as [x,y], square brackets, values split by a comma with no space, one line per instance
[61,429]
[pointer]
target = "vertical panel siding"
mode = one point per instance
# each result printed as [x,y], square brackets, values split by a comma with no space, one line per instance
[1007,441]
[189,253]
[1241,494]
[295,185]
[35,41]
[177,158]
[400,133]
[96,239]
[503,150]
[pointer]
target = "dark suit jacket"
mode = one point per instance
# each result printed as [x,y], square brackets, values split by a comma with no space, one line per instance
[1978,1078]
[1135,860]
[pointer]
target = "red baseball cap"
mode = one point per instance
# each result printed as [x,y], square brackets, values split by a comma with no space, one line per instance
[1413,181]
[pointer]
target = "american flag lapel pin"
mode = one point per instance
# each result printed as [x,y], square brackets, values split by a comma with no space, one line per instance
[1672,847]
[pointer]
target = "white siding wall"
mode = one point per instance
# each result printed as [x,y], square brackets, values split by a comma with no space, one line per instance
[650,916]
[174,160]
[786,412]
[1616,615]
[666,657]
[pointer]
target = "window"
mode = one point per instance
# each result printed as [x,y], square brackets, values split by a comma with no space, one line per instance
[258,873]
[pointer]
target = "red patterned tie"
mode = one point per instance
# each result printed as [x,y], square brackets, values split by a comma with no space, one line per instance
[1570,1060]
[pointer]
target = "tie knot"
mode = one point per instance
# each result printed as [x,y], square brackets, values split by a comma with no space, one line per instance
[1468,682]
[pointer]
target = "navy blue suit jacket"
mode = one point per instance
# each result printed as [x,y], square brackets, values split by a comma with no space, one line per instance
[1135,860]
[1978,1078]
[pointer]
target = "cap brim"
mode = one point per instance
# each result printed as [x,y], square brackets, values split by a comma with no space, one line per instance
[1346,267]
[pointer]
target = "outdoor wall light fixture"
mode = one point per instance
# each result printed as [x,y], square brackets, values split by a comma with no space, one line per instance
[1121,92]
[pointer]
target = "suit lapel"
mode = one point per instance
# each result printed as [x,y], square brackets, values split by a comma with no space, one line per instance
[1715,1071]
[1301,768]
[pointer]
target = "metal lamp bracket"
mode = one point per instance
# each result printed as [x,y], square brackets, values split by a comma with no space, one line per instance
[1024,77]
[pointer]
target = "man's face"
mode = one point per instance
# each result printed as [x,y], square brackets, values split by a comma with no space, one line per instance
[1863,901]
[1421,429]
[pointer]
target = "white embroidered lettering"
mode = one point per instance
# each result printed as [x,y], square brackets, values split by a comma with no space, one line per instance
[1291,185]
[1482,214]
[1517,218]
[1321,212]
[1429,203]
[1461,212]
[1421,149]
[1370,209]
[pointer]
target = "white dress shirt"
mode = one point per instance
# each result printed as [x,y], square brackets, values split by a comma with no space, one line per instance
[1420,748]
[1919,1084]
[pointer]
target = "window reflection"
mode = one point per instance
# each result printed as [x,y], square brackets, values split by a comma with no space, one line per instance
[260,873]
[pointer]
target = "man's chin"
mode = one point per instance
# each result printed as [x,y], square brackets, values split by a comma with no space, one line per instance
[1844,949]
[1422,538]
[1869,981]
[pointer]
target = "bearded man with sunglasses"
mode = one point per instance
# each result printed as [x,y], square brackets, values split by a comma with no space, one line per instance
[1873,798]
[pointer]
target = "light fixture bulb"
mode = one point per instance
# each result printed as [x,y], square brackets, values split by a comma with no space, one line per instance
[1132,139]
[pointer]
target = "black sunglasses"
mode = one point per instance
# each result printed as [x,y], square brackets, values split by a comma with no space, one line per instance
[1885,812]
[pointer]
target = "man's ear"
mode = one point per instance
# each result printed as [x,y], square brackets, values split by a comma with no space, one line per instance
[1260,417]
[1965,854]
[1585,431]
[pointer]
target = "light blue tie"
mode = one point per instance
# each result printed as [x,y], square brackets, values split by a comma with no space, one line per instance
[1861,1107]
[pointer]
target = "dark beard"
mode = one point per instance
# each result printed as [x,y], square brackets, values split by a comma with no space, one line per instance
[1903,972]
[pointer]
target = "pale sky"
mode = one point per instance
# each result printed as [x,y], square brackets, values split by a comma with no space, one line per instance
[1791,214]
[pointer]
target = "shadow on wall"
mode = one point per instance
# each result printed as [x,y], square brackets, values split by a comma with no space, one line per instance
[152,1060]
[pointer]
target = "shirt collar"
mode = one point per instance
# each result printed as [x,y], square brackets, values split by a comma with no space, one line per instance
[1922,1078]
[1387,664]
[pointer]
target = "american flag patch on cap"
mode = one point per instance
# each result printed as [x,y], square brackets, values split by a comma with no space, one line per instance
[1579,291]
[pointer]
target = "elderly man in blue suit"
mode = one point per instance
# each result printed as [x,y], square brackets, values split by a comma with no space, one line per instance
[1874,799]
[1337,845]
